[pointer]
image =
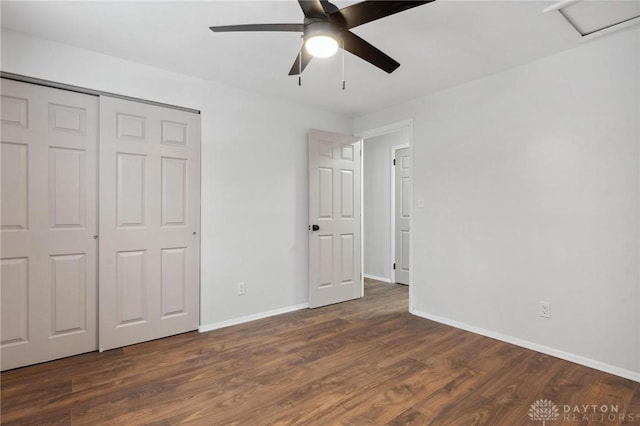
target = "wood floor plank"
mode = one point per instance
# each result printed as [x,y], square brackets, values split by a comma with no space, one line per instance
[363,362]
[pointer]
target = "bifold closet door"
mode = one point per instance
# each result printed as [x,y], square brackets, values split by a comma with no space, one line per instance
[47,223]
[149,222]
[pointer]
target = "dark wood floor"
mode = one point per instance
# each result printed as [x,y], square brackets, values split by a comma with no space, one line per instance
[365,362]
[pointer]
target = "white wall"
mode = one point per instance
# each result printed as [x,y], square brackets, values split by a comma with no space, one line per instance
[377,171]
[254,171]
[530,179]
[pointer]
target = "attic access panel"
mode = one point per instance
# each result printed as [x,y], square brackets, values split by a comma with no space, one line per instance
[591,18]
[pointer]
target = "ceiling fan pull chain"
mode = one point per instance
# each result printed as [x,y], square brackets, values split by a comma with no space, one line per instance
[343,80]
[300,61]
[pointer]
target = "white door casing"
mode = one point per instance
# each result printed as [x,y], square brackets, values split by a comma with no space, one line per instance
[149,222]
[47,223]
[402,169]
[334,207]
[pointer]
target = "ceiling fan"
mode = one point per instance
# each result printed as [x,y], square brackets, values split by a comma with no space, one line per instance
[326,28]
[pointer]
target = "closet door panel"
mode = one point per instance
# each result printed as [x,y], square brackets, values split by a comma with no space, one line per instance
[149,222]
[48,221]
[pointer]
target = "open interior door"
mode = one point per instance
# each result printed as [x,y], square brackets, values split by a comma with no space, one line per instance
[402,170]
[334,218]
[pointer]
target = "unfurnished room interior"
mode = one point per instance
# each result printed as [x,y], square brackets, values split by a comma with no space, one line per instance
[311,212]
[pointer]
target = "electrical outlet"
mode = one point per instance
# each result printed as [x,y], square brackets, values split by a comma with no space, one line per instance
[241,288]
[545,309]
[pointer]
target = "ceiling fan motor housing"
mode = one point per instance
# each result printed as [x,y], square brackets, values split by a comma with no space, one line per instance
[321,27]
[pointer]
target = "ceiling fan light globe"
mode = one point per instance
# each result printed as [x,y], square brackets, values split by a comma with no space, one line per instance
[321,46]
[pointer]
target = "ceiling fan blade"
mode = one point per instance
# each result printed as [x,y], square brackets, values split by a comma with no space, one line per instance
[368,52]
[258,27]
[367,11]
[328,7]
[296,67]
[312,8]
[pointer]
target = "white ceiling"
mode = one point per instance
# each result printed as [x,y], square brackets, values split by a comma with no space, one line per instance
[438,45]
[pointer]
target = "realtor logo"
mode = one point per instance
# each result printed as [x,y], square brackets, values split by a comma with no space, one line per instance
[543,410]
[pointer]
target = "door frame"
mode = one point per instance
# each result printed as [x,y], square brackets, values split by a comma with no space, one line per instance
[88,91]
[379,131]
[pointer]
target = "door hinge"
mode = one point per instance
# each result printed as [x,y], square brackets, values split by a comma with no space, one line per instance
[394,161]
[394,266]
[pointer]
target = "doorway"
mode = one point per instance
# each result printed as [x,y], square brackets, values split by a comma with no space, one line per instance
[384,207]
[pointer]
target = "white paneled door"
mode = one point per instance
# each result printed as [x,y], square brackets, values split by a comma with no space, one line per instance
[47,223]
[149,222]
[402,214]
[334,218]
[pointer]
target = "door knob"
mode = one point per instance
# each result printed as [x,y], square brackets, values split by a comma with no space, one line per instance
[315,228]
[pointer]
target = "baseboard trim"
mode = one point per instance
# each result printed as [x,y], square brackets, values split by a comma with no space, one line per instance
[241,320]
[377,278]
[587,362]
